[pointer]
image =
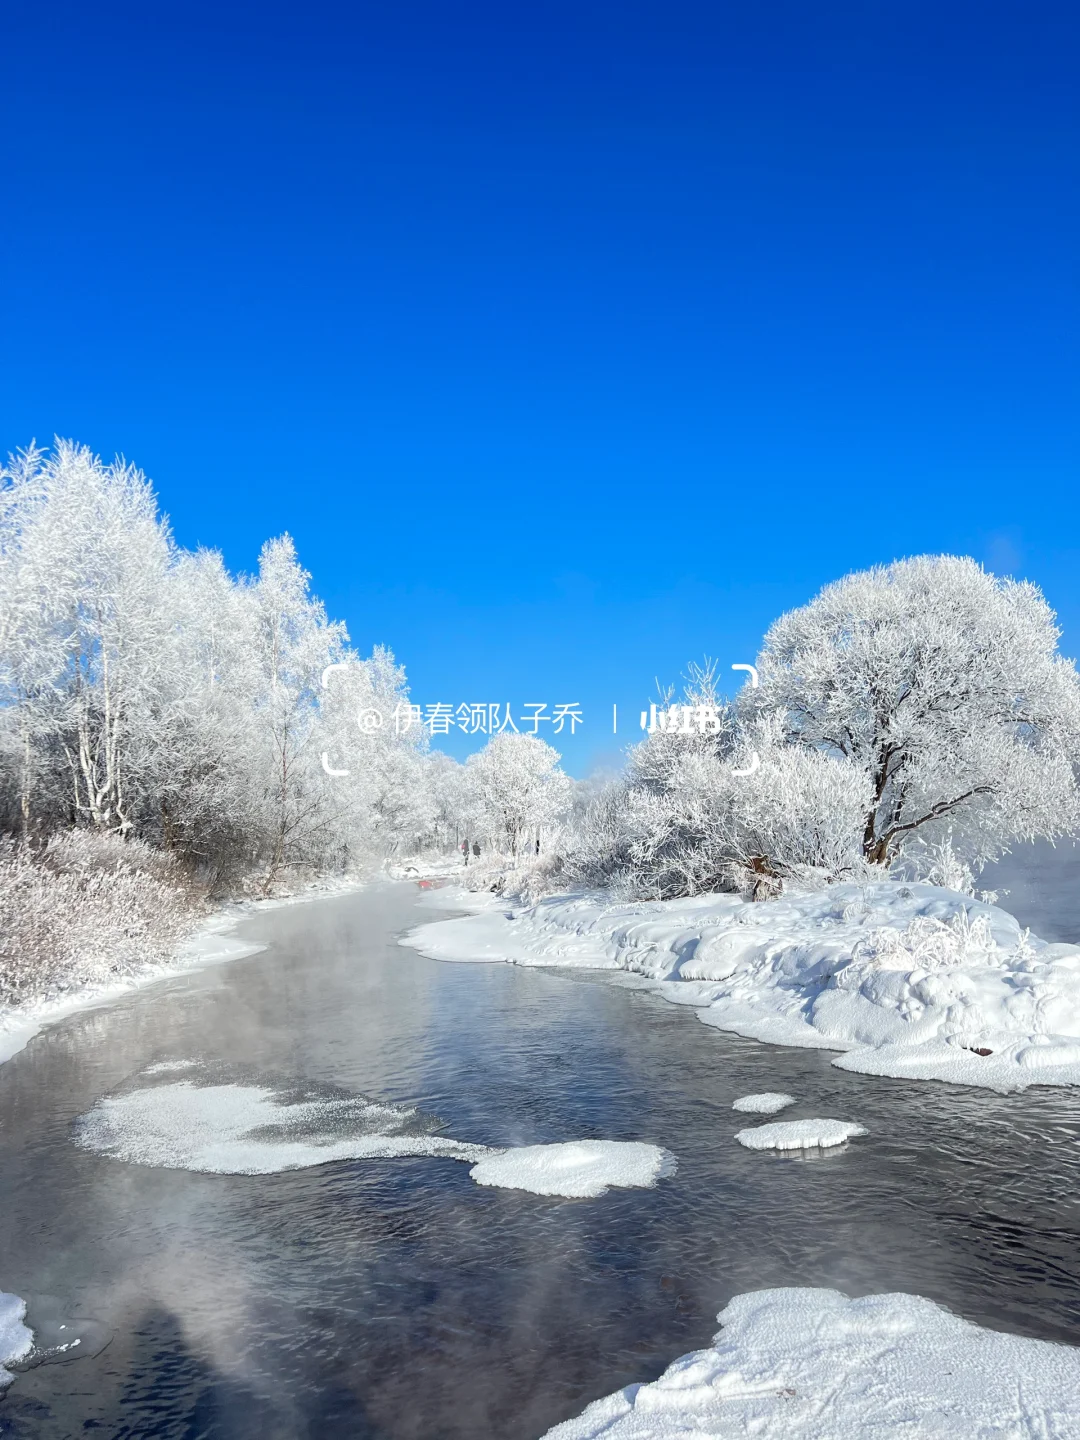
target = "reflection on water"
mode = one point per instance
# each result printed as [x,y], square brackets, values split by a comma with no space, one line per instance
[396,1298]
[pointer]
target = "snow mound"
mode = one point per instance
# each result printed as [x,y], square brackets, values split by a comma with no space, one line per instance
[813,1365]
[798,1134]
[16,1340]
[578,1169]
[767,1103]
[909,980]
[237,1129]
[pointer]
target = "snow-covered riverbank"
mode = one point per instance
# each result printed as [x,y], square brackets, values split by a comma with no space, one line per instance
[907,980]
[805,1364]
[210,943]
[16,1340]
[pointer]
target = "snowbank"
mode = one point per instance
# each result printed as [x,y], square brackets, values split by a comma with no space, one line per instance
[814,1365]
[908,980]
[579,1169]
[798,1134]
[445,868]
[16,1341]
[767,1103]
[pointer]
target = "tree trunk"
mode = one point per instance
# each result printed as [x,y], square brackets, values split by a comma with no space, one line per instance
[767,883]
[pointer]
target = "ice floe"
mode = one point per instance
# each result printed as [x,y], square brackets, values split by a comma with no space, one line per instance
[798,1134]
[209,1120]
[813,1365]
[577,1169]
[769,1102]
[908,980]
[238,1129]
[16,1339]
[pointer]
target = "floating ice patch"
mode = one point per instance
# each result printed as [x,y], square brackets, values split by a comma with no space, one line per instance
[578,1169]
[252,1129]
[808,1364]
[767,1103]
[16,1339]
[798,1134]
[214,1122]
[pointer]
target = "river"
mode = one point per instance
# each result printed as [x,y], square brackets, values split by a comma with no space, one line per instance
[396,1298]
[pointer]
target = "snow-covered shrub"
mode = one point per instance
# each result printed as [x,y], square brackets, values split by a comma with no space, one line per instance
[936,862]
[88,909]
[930,944]
[685,821]
[524,880]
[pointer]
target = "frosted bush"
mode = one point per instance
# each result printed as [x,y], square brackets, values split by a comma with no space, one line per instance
[524,881]
[88,909]
[687,822]
[930,944]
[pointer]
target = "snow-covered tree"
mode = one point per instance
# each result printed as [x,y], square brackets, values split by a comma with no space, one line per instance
[83,634]
[446,782]
[146,692]
[517,789]
[294,645]
[691,820]
[943,686]
[368,730]
[205,790]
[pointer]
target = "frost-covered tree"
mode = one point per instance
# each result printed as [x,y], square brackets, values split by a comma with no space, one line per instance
[146,692]
[294,643]
[446,782]
[942,685]
[83,635]
[367,729]
[516,789]
[204,795]
[689,820]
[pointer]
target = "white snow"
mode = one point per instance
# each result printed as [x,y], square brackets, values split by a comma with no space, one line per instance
[16,1340]
[250,1130]
[907,979]
[798,1134]
[580,1168]
[813,1365]
[767,1103]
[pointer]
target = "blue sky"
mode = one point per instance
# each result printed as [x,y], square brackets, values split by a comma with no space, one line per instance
[572,342]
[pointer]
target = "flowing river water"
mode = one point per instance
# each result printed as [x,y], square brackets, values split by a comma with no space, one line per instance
[395,1297]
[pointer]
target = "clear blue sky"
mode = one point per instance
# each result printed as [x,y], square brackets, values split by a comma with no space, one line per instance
[571,341]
